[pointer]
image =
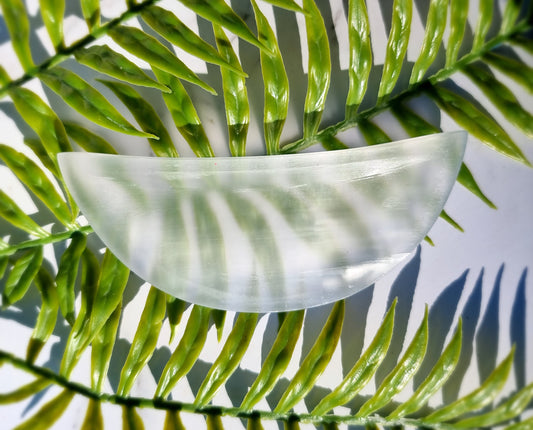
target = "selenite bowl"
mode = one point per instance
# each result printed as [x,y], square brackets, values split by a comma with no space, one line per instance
[266,233]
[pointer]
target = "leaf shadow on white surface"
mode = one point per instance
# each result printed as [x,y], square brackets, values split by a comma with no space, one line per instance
[441,321]
[403,288]
[518,331]
[353,335]
[488,332]
[470,315]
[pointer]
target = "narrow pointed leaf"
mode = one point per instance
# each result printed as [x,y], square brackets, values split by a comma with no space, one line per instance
[275,82]
[477,123]
[87,101]
[18,25]
[214,422]
[331,143]
[477,398]
[93,417]
[373,134]
[131,419]
[291,425]
[52,12]
[360,55]
[501,97]
[89,141]
[286,4]
[42,119]
[155,53]
[518,71]
[27,390]
[66,275]
[90,271]
[235,96]
[21,276]
[91,13]
[173,421]
[486,10]
[49,413]
[510,15]
[102,348]
[402,373]
[42,154]
[4,77]
[436,23]
[218,12]
[46,320]
[363,370]
[171,28]
[412,122]
[436,378]
[526,424]
[4,261]
[12,213]
[277,359]
[444,215]
[146,117]
[175,309]
[315,362]
[104,60]
[111,283]
[508,410]
[466,179]
[145,340]
[402,11]
[187,351]
[254,424]
[219,318]
[184,115]
[458,18]
[318,68]
[228,359]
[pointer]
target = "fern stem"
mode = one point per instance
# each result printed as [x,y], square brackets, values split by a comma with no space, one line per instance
[445,73]
[409,92]
[52,238]
[64,53]
[167,405]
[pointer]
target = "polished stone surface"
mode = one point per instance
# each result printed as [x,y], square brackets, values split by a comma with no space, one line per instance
[267,233]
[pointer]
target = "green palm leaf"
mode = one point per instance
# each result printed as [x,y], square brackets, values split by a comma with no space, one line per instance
[104,60]
[18,25]
[145,339]
[397,45]
[154,52]
[49,413]
[319,68]
[46,320]
[52,12]
[315,361]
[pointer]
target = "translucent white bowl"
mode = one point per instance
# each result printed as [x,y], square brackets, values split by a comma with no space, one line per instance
[267,233]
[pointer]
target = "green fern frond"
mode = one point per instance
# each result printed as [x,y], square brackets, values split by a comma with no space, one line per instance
[236,345]
[99,279]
